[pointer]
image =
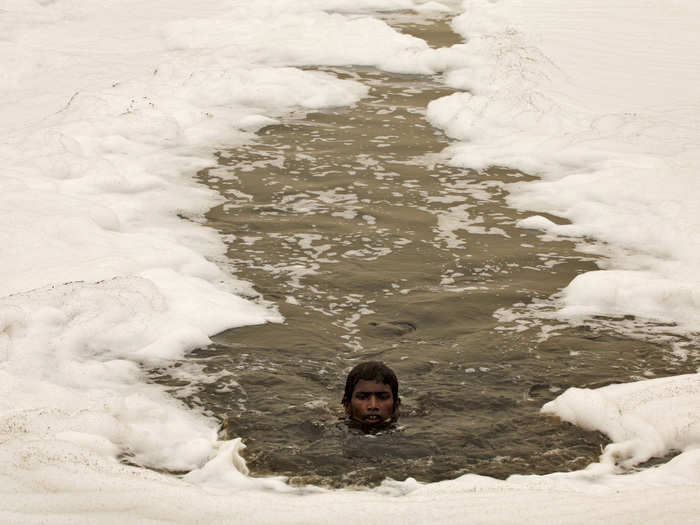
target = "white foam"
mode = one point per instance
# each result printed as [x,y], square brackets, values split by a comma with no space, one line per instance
[600,100]
[644,419]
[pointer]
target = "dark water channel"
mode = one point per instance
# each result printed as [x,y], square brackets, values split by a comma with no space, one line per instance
[372,247]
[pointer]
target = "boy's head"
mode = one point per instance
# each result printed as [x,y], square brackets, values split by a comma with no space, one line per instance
[372,394]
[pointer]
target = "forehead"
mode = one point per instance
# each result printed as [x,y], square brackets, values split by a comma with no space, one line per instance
[369,386]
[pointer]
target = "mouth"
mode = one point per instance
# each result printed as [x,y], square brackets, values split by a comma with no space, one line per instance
[373,418]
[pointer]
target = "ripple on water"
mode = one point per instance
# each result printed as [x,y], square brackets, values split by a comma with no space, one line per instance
[373,247]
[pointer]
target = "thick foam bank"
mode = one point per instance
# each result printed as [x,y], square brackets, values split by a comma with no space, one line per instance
[600,101]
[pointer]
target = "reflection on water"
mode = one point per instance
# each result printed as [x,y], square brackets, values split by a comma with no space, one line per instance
[374,248]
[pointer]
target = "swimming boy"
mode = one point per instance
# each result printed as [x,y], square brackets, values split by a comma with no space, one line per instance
[372,395]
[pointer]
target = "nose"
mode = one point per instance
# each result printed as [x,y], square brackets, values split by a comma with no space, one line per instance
[372,403]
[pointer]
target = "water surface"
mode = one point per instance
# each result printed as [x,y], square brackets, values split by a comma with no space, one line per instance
[373,247]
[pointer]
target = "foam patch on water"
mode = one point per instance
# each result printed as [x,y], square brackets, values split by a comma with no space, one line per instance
[71,357]
[567,94]
[644,419]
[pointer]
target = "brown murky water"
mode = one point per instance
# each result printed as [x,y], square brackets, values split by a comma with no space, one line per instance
[372,247]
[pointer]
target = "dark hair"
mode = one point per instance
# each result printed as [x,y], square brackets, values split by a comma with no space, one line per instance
[371,371]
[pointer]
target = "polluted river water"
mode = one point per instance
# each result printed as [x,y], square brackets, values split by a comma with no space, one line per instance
[354,225]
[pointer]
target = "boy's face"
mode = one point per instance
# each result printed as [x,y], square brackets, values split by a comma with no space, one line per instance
[372,403]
